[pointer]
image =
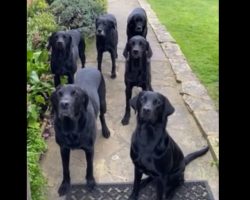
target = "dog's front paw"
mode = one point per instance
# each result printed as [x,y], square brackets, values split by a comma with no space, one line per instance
[132,197]
[125,120]
[106,133]
[113,75]
[64,188]
[91,183]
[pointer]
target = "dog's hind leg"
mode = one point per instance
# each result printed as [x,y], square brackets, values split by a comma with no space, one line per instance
[81,49]
[65,185]
[103,107]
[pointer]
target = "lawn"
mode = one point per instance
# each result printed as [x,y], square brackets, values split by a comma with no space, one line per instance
[194,26]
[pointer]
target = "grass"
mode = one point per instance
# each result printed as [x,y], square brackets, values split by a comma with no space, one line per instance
[194,26]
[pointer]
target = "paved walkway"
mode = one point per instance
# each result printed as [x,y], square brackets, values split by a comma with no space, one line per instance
[112,161]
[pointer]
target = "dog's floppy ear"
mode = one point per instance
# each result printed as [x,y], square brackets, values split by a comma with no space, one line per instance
[54,99]
[96,21]
[85,100]
[113,24]
[168,109]
[134,102]
[69,42]
[50,41]
[149,50]
[126,50]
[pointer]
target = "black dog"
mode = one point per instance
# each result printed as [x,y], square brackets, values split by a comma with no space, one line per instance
[137,73]
[137,23]
[75,108]
[67,47]
[153,151]
[107,39]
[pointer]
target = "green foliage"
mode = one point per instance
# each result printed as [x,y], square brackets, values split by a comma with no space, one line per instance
[40,24]
[36,7]
[80,14]
[39,89]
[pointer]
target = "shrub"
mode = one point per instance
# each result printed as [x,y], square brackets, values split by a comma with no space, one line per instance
[80,14]
[41,22]
[39,89]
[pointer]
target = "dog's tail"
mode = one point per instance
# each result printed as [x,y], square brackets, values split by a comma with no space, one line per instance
[195,154]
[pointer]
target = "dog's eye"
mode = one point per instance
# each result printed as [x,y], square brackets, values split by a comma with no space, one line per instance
[133,43]
[64,36]
[60,93]
[143,99]
[140,43]
[156,102]
[73,92]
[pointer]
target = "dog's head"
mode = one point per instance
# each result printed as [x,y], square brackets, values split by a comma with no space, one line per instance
[104,25]
[69,102]
[137,23]
[60,41]
[137,47]
[152,107]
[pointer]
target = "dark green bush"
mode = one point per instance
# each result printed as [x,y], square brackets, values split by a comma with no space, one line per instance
[79,14]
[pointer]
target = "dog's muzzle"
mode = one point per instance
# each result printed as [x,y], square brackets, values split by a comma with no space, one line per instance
[100,32]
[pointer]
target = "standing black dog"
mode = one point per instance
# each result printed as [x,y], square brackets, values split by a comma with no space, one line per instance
[153,151]
[67,47]
[75,108]
[137,73]
[137,23]
[107,39]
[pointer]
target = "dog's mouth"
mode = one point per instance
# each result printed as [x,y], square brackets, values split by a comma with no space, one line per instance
[135,55]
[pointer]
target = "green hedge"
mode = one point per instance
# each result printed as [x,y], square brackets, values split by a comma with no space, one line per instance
[81,14]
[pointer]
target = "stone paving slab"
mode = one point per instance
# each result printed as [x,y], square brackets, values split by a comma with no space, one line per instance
[112,162]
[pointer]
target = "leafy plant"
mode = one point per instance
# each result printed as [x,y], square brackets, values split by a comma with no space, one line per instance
[39,89]
[37,6]
[39,29]
[79,14]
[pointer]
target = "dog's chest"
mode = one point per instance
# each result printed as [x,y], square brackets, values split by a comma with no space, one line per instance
[144,158]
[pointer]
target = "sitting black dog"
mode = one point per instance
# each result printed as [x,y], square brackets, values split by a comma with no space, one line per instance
[75,108]
[137,23]
[153,151]
[137,73]
[67,47]
[107,39]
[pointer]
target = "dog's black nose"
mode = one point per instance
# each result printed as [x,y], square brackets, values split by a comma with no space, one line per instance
[64,104]
[99,30]
[139,29]
[146,110]
[135,51]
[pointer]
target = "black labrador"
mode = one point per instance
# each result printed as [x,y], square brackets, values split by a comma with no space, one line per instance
[67,47]
[75,108]
[137,23]
[153,151]
[107,39]
[137,73]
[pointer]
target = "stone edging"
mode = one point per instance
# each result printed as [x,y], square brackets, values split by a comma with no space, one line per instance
[193,92]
